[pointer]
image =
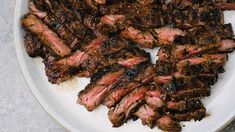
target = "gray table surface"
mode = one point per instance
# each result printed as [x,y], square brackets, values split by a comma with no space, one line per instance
[19,110]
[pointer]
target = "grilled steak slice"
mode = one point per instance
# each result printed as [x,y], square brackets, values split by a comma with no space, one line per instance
[211,63]
[93,94]
[154,99]
[190,16]
[191,93]
[167,35]
[116,94]
[227,46]
[69,16]
[127,57]
[144,39]
[63,69]
[128,105]
[33,46]
[145,75]
[185,106]
[224,31]
[50,39]
[166,123]
[147,115]
[196,115]
[55,24]
[226,4]
[105,25]
[164,68]
[175,83]
[103,81]
[179,52]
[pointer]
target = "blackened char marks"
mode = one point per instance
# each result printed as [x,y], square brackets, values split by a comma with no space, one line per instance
[185,106]
[33,46]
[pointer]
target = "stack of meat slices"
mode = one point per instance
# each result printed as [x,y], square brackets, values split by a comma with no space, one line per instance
[101,39]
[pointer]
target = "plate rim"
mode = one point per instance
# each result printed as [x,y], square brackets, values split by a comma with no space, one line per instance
[39,98]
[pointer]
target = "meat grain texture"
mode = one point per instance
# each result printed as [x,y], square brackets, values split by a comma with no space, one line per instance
[102,39]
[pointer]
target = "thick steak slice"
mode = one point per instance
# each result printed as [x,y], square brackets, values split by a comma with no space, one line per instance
[154,99]
[175,53]
[226,5]
[92,95]
[209,64]
[116,94]
[190,93]
[196,115]
[47,37]
[174,83]
[61,70]
[185,106]
[144,39]
[124,110]
[167,123]
[145,75]
[147,115]
[227,46]
[166,35]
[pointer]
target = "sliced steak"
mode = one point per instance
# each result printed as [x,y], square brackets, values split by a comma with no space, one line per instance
[226,5]
[128,105]
[154,99]
[227,46]
[185,106]
[147,115]
[166,35]
[209,64]
[175,83]
[196,115]
[144,39]
[224,31]
[49,38]
[116,94]
[63,69]
[93,94]
[144,76]
[175,53]
[191,93]
[167,123]
[103,81]
[55,24]
[33,46]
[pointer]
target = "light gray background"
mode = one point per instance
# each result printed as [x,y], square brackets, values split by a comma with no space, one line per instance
[19,110]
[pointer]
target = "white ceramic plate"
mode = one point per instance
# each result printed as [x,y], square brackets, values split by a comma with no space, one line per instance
[60,101]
